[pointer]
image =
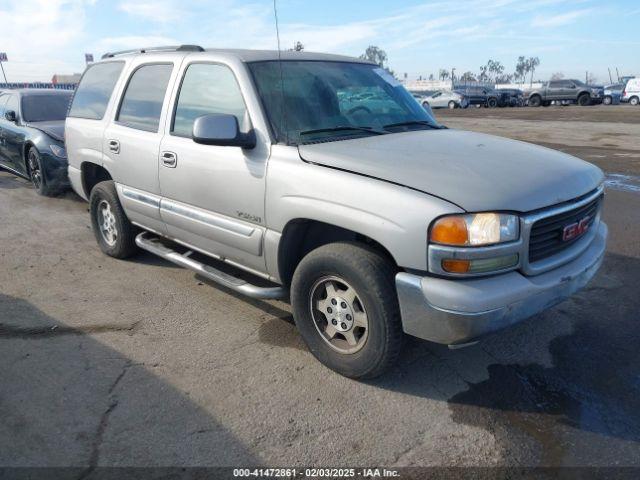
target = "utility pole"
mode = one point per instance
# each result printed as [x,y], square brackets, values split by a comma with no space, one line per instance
[617,74]
[610,75]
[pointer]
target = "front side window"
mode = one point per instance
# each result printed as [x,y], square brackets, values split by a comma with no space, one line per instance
[141,105]
[309,101]
[13,104]
[207,89]
[45,108]
[94,92]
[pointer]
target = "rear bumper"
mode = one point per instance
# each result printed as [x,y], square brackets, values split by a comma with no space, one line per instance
[458,311]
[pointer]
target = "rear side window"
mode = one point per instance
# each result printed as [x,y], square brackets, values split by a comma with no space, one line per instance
[95,89]
[207,89]
[142,101]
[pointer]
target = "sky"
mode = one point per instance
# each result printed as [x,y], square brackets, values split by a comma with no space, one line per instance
[43,37]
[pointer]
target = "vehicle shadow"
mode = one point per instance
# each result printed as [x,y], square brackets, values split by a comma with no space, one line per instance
[592,383]
[69,400]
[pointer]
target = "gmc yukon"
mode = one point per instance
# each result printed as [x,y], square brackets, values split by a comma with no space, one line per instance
[322,177]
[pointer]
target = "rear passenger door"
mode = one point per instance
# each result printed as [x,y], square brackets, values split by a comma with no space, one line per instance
[132,140]
[213,196]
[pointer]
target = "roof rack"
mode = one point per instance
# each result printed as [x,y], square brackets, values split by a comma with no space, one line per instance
[174,48]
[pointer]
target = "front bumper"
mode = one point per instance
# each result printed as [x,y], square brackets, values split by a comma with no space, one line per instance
[54,170]
[459,311]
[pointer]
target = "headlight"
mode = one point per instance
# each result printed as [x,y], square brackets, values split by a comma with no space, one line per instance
[58,151]
[475,229]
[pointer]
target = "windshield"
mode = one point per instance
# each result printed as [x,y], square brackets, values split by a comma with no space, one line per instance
[326,101]
[45,108]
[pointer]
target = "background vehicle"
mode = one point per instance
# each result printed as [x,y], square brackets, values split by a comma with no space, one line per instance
[511,97]
[32,137]
[566,90]
[631,91]
[446,99]
[613,94]
[479,95]
[176,142]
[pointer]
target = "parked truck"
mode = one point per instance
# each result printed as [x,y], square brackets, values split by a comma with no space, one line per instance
[325,181]
[566,91]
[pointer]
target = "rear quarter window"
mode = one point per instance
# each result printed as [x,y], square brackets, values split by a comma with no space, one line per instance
[94,92]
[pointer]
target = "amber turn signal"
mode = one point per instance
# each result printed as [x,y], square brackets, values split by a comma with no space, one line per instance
[456,266]
[450,231]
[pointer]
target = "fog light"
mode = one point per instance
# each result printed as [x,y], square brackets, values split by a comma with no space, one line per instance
[482,265]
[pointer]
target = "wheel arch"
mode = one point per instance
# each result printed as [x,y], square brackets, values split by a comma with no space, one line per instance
[25,152]
[303,235]
[92,174]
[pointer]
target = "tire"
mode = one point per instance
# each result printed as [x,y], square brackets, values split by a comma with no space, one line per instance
[36,175]
[452,105]
[634,101]
[535,101]
[492,102]
[584,100]
[426,105]
[363,278]
[607,100]
[118,238]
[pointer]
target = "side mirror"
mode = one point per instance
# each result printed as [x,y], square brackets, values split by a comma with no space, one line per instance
[221,129]
[11,116]
[572,86]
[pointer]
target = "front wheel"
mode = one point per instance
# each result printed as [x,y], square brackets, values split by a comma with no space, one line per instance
[584,100]
[452,105]
[492,102]
[36,175]
[607,100]
[114,232]
[535,101]
[346,309]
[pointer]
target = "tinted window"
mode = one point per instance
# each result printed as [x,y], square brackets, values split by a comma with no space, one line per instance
[555,84]
[207,89]
[45,108]
[142,102]
[95,89]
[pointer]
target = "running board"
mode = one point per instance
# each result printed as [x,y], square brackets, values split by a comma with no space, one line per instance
[155,246]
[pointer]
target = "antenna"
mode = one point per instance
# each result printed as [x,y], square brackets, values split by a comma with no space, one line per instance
[284,109]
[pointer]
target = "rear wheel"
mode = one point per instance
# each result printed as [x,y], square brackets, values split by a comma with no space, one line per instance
[584,100]
[346,308]
[452,105]
[113,231]
[607,100]
[535,101]
[492,102]
[634,101]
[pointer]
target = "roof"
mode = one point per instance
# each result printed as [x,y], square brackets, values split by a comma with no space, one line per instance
[241,54]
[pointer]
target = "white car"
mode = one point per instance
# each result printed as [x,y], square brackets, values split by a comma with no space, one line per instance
[446,99]
[631,92]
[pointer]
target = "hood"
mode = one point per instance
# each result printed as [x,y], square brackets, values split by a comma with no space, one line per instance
[475,171]
[54,129]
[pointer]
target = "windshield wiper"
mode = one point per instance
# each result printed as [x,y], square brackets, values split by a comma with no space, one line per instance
[342,128]
[414,122]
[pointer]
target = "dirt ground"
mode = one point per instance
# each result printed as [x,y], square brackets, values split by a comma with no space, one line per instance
[108,362]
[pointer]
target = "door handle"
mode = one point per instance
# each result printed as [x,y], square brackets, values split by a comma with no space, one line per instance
[169,159]
[114,146]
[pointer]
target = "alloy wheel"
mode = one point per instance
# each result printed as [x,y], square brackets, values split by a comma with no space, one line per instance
[339,315]
[34,170]
[107,223]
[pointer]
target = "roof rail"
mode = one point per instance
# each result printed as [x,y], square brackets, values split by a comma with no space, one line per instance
[173,48]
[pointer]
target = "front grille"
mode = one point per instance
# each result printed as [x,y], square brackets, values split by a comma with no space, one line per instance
[545,239]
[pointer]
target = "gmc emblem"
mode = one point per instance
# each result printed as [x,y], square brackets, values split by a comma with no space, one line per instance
[575,230]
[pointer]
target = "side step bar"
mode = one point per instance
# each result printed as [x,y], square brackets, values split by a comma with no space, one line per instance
[155,246]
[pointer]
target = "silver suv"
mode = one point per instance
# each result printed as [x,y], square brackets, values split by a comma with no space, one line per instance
[322,177]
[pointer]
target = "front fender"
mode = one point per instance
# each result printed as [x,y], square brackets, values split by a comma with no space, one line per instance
[396,217]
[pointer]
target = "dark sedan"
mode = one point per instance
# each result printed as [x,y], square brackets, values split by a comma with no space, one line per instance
[32,137]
